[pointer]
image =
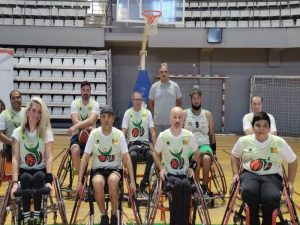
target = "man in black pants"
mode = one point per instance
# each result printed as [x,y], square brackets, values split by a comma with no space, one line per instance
[137,122]
[173,146]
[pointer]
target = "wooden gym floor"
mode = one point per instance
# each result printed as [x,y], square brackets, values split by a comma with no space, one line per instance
[224,146]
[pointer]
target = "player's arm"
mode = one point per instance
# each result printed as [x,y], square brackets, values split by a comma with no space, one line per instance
[211,131]
[153,135]
[4,139]
[49,163]
[151,105]
[247,126]
[82,169]
[179,102]
[15,165]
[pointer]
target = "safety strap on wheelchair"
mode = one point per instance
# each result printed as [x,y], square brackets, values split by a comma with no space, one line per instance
[23,192]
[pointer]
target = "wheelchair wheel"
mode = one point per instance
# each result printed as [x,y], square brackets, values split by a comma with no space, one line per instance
[218,178]
[5,203]
[154,196]
[78,200]
[64,169]
[133,204]
[60,202]
[200,207]
[229,208]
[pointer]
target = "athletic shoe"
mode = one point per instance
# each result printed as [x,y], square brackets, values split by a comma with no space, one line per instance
[205,190]
[104,220]
[114,220]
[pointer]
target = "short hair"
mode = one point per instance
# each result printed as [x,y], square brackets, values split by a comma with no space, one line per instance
[2,105]
[15,90]
[84,83]
[107,110]
[196,91]
[137,92]
[261,116]
[256,96]
[164,65]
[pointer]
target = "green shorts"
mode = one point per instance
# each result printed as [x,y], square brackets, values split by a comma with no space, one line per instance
[204,149]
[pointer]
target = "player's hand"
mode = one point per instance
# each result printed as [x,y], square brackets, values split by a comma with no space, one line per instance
[291,187]
[48,185]
[78,188]
[132,187]
[234,179]
[71,131]
[13,190]
[190,173]
[163,174]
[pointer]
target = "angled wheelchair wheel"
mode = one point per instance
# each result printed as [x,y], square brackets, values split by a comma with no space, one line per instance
[153,202]
[230,205]
[5,204]
[218,178]
[200,207]
[60,202]
[65,170]
[85,218]
[133,204]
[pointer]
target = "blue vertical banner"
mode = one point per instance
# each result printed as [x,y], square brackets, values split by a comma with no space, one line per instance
[142,85]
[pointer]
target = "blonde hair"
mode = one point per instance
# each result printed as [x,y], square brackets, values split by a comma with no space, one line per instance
[44,123]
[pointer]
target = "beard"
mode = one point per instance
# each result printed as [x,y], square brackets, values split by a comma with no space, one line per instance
[195,107]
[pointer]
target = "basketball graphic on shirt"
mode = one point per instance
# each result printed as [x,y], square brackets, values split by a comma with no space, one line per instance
[104,154]
[174,164]
[135,132]
[256,164]
[178,161]
[30,160]
[102,158]
[138,130]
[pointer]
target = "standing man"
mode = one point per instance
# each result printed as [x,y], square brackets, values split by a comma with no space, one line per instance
[201,123]
[173,147]
[164,94]
[10,119]
[84,115]
[108,149]
[256,106]
[136,124]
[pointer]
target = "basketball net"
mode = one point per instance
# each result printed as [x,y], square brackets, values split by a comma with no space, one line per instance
[151,18]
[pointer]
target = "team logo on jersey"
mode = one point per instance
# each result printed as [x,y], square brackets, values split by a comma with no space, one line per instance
[34,157]
[185,142]
[274,150]
[105,155]
[260,164]
[138,130]
[115,141]
[178,161]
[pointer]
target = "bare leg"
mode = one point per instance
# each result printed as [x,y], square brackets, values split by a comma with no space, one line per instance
[98,186]
[75,151]
[113,184]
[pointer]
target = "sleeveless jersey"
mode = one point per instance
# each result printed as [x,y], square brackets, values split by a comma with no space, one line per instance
[175,153]
[138,128]
[32,151]
[106,151]
[84,111]
[262,161]
[198,125]
[12,120]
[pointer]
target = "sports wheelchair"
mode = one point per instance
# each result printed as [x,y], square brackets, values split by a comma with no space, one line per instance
[157,199]
[6,167]
[241,212]
[217,186]
[15,205]
[86,196]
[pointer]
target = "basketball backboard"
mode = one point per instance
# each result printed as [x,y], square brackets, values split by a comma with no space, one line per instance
[131,10]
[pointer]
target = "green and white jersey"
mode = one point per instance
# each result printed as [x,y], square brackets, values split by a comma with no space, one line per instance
[106,151]
[198,125]
[10,120]
[32,148]
[175,150]
[137,124]
[263,158]
[247,122]
[84,111]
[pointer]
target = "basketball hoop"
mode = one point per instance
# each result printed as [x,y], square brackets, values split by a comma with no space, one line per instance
[151,17]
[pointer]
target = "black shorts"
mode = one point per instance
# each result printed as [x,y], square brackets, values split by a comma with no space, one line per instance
[141,147]
[74,140]
[105,172]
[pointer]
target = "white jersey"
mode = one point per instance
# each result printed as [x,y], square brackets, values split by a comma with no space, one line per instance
[198,125]
[106,150]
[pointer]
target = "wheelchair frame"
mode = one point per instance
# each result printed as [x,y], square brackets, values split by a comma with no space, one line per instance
[156,201]
[86,194]
[14,206]
[239,216]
